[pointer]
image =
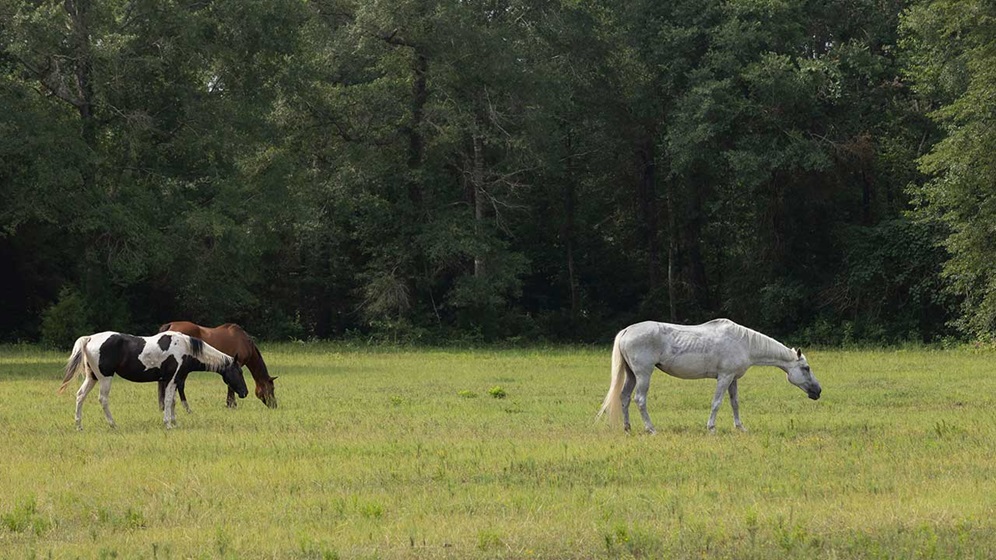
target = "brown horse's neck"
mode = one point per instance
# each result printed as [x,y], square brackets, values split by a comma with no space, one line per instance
[256,365]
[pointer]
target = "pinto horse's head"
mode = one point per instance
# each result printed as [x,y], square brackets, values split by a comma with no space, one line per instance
[265,392]
[232,374]
[800,375]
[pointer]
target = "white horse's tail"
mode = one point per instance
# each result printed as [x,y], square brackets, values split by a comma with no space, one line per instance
[77,362]
[613,400]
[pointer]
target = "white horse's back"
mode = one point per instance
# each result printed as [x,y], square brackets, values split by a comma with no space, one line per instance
[687,351]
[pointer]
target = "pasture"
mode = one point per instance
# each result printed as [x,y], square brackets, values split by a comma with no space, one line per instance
[390,453]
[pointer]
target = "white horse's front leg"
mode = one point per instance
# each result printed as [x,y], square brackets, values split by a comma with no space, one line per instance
[735,404]
[722,384]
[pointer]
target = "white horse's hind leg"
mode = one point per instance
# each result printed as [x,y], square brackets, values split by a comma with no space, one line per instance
[642,387]
[105,399]
[722,384]
[88,384]
[627,393]
[735,404]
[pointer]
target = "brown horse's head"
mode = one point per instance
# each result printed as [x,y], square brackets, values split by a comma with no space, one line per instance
[265,393]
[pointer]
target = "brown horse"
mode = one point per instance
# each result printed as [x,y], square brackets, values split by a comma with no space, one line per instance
[232,340]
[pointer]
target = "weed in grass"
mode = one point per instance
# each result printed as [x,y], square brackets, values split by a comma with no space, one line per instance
[467,394]
[489,540]
[371,510]
[313,550]
[497,392]
[25,518]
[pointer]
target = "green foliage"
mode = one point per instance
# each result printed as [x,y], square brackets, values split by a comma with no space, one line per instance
[66,320]
[951,63]
[425,171]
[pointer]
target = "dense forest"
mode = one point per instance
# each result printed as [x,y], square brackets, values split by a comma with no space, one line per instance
[519,170]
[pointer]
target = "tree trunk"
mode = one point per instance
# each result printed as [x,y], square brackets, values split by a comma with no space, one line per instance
[672,251]
[647,200]
[416,143]
[568,230]
[693,244]
[477,186]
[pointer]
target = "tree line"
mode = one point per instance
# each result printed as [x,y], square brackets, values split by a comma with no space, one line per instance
[480,170]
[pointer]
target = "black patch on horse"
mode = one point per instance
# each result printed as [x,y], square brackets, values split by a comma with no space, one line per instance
[164,342]
[119,354]
[196,347]
[191,363]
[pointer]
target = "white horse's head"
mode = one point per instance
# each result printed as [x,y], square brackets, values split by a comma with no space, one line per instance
[800,375]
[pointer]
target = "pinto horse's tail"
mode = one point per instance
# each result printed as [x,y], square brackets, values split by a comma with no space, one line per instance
[613,400]
[77,362]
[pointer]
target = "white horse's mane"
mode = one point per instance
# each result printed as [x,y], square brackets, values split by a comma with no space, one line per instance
[759,344]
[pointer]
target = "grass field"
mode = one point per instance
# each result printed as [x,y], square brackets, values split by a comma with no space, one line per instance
[384,453]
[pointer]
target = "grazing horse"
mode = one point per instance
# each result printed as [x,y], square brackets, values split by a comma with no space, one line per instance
[166,358]
[232,340]
[720,350]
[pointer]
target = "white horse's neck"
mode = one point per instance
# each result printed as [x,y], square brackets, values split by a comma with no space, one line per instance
[766,351]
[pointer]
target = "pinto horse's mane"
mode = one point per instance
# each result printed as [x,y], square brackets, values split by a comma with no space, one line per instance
[207,354]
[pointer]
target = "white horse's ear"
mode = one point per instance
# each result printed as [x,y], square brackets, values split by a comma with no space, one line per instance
[798,353]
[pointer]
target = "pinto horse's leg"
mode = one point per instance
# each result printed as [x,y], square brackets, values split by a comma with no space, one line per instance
[88,384]
[105,399]
[183,396]
[642,387]
[735,404]
[722,384]
[169,404]
[162,394]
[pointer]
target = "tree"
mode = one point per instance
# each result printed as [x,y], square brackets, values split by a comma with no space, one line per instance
[952,58]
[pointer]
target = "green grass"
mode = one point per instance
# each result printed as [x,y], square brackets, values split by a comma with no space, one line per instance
[386,453]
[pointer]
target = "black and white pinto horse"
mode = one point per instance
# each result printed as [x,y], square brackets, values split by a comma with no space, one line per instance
[165,358]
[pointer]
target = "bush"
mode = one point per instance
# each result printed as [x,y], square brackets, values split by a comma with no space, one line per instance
[66,320]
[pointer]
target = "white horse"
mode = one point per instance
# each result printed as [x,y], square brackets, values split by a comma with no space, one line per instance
[719,349]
